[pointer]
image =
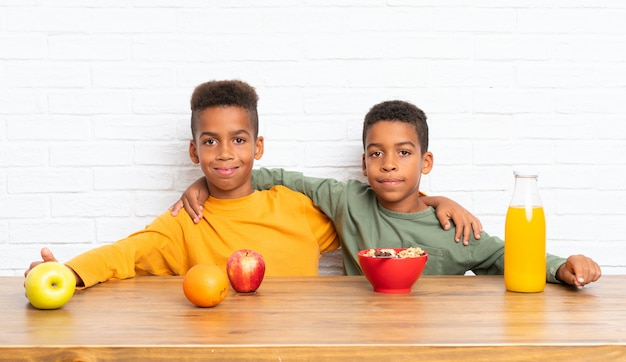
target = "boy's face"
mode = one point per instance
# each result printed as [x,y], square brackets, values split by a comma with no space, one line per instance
[225,148]
[393,164]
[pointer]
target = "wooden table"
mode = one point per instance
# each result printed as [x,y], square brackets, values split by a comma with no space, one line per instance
[314,318]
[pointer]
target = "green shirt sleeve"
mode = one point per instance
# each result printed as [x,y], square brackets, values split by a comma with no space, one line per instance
[328,194]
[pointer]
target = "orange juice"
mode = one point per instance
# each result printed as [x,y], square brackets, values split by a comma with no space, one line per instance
[525,249]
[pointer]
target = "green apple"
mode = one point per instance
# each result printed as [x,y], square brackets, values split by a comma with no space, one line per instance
[50,285]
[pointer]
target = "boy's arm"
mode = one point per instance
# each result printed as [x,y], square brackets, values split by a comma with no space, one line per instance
[464,221]
[264,178]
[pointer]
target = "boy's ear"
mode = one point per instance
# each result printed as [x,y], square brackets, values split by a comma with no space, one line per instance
[363,165]
[193,152]
[427,162]
[259,148]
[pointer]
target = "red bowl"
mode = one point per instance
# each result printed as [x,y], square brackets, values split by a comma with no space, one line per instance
[392,275]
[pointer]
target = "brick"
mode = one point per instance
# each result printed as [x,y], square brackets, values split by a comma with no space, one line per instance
[390,19]
[605,101]
[45,75]
[100,48]
[130,20]
[132,178]
[3,128]
[22,47]
[328,154]
[558,21]
[598,49]
[513,101]
[499,47]
[149,204]
[282,154]
[49,128]
[71,231]
[18,101]
[173,154]
[23,206]
[29,19]
[422,46]
[304,129]
[113,229]
[390,74]
[468,128]
[474,20]
[85,154]
[249,21]
[562,76]
[344,46]
[505,153]
[477,74]
[555,127]
[171,48]
[275,48]
[48,180]
[162,102]
[152,128]
[89,102]
[90,205]
[124,76]
[18,154]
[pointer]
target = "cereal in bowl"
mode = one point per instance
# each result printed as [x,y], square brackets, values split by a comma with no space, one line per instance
[391,253]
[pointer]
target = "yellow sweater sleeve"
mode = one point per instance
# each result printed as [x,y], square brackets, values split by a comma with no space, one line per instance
[156,250]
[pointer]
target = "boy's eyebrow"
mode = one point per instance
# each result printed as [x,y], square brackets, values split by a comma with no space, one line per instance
[233,133]
[399,144]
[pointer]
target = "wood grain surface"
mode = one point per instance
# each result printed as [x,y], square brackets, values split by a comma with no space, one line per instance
[313,318]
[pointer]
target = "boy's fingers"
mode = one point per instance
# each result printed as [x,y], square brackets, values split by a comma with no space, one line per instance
[444,220]
[47,255]
[192,209]
[174,209]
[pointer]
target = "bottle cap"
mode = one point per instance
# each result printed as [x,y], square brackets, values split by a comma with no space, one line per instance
[525,173]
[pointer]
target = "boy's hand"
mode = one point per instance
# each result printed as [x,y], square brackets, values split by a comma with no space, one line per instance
[47,256]
[579,270]
[465,222]
[192,200]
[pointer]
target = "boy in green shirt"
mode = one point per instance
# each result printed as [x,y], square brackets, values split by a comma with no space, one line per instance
[389,211]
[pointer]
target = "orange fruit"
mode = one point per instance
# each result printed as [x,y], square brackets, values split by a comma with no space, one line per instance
[205,285]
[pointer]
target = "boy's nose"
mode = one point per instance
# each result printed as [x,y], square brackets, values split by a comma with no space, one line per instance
[390,165]
[225,153]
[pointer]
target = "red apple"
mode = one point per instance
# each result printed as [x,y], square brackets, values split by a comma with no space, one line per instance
[245,269]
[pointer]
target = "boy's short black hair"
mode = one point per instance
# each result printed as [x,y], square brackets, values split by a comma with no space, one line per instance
[224,93]
[400,111]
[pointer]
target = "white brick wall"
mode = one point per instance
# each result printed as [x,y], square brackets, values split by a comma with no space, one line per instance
[94,121]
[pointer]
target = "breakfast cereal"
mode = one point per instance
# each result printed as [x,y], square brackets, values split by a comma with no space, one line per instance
[391,253]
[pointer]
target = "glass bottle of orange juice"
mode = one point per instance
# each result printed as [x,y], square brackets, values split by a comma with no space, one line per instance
[525,238]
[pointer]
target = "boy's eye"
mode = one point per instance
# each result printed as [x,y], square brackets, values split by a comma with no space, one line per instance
[405,153]
[209,141]
[239,140]
[376,154]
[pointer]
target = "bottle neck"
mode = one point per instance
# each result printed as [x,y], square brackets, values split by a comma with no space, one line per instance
[526,192]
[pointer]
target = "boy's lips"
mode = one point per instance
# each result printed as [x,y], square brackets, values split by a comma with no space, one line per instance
[390,181]
[225,171]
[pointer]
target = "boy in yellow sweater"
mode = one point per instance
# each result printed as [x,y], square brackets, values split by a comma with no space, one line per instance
[283,225]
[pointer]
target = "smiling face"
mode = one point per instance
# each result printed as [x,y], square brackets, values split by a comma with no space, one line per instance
[393,164]
[225,147]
